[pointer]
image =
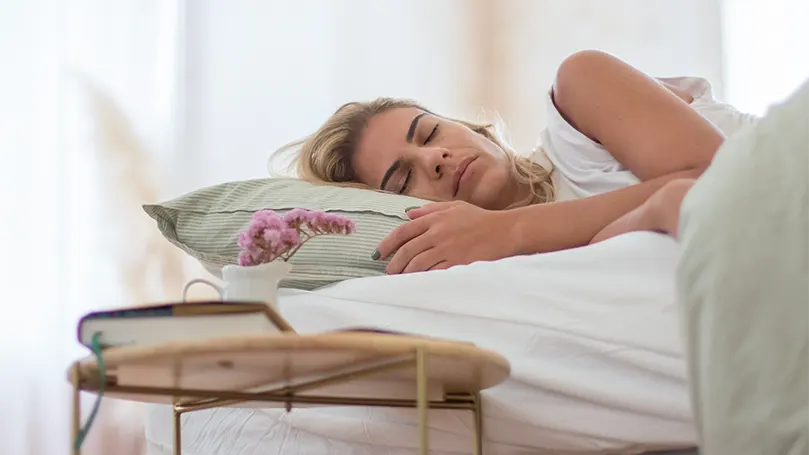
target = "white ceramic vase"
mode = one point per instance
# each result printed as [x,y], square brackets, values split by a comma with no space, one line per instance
[256,283]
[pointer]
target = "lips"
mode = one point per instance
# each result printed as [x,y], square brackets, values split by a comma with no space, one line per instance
[459,171]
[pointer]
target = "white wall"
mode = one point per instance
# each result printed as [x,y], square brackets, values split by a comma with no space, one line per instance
[260,74]
[766,48]
[660,37]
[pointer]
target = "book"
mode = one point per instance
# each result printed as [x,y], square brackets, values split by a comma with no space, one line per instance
[179,321]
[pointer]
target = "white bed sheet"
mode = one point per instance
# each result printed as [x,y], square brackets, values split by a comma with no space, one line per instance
[592,336]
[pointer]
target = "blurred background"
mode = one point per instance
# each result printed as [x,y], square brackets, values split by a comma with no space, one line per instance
[106,105]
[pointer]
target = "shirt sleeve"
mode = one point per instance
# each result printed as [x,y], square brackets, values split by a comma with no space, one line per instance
[582,166]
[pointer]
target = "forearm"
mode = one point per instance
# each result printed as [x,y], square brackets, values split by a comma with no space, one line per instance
[570,224]
[660,213]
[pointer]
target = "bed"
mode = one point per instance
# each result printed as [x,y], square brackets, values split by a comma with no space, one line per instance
[591,333]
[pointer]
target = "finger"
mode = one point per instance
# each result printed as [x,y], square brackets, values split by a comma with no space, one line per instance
[433,207]
[407,253]
[423,261]
[398,237]
[443,265]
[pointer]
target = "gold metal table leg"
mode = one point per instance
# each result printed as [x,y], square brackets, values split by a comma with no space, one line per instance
[477,410]
[421,384]
[178,430]
[76,420]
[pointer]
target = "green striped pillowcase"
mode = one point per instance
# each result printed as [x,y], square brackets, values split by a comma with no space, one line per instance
[206,224]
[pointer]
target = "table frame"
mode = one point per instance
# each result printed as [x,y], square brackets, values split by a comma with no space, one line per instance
[289,395]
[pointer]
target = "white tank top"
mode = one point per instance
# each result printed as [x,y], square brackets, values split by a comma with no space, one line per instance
[585,168]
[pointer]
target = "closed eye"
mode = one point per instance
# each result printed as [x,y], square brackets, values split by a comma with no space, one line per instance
[432,134]
[406,182]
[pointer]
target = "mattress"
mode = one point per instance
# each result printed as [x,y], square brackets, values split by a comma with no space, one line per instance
[591,333]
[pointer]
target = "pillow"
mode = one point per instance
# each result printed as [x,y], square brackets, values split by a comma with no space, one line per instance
[206,224]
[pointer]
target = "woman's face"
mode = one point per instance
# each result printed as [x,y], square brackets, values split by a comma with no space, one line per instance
[409,151]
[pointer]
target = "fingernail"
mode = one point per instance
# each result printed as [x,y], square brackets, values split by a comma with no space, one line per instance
[375,255]
[409,209]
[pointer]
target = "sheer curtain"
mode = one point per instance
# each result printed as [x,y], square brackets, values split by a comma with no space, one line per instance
[87,112]
[108,105]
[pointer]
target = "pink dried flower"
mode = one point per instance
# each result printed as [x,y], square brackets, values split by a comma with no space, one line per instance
[317,222]
[245,259]
[271,236]
[290,238]
[245,241]
[267,219]
[252,257]
[296,217]
[327,223]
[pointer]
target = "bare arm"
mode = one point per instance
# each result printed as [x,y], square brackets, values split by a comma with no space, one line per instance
[647,126]
[444,234]
[570,224]
[660,213]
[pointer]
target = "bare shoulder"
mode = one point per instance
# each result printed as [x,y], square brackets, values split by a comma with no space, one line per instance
[646,125]
[598,70]
[584,83]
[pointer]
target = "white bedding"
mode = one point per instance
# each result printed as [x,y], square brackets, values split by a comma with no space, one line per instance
[592,336]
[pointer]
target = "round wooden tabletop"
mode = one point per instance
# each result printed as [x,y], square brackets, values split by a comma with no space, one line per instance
[260,362]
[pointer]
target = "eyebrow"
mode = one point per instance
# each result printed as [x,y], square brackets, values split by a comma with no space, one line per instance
[396,164]
[413,125]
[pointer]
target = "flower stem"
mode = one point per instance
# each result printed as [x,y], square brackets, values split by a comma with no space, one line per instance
[295,250]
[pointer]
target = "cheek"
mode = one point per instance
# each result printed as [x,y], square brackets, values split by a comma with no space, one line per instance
[493,180]
[489,147]
[499,177]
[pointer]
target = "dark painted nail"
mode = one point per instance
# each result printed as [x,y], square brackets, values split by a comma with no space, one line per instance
[409,209]
[375,255]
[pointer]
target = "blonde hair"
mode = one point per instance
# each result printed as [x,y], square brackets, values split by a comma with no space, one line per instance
[325,156]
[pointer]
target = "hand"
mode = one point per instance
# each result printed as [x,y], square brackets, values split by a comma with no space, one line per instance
[443,234]
[660,213]
[639,219]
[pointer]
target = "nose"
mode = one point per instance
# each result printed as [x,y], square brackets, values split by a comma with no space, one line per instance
[435,162]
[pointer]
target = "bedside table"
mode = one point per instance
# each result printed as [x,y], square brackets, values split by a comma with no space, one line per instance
[329,369]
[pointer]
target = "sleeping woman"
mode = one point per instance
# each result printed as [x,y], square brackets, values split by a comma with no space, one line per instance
[619,152]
